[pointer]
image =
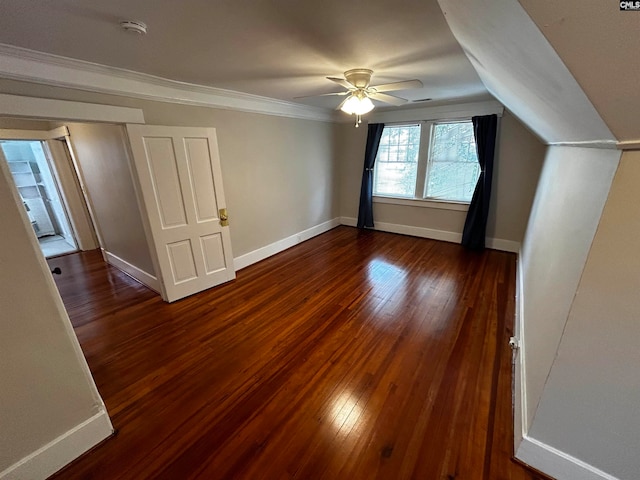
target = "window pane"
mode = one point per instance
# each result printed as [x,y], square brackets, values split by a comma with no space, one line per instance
[397,161]
[453,180]
[453,162]
[396,179]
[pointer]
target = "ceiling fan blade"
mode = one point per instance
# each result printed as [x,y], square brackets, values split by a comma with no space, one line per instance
[392,99]
[390,87]
[341,81]
[323,95]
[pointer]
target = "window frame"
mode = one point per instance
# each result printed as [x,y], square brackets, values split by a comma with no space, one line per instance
[420,199]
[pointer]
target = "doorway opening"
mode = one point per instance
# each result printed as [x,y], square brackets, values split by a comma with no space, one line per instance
[31,168]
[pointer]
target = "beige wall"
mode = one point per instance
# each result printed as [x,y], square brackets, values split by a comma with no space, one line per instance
[45,386]
[590,407]
[279,173]
[102,157]
[519,159]
[517,167]
[572,191]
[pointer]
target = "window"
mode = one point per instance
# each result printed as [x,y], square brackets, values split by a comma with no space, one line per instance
[396,166]
[430,160]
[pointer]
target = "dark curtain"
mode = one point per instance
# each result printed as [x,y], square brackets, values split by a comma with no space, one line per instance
[475,226]
[365,212]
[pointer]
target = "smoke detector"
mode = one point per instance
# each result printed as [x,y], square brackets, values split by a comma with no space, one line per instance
[134,26]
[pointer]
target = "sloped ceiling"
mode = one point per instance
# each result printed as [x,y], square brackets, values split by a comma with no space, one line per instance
[522,70]
[275,48]
[598,43]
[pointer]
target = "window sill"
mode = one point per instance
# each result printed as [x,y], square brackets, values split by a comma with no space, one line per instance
[424,203]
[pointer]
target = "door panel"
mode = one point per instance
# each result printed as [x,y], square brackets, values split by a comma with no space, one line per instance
[213,249]
[201,176]
[166,183]
[179,174]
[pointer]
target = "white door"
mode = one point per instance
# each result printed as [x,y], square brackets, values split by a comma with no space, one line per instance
[180,180]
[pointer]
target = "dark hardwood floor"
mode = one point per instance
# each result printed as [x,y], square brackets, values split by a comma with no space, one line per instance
[355,355]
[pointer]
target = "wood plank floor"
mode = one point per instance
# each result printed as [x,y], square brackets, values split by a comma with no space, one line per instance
[355,355]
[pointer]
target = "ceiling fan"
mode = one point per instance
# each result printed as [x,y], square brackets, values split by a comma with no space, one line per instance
[360,93]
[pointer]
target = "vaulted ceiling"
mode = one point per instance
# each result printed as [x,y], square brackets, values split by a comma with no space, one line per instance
[598,44]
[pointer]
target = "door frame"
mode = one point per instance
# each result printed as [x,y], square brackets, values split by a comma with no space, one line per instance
[72,200]
[17,106]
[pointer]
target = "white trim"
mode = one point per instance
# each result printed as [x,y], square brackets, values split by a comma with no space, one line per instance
[422,202]
[46,108]
[421,232]
[606,144]
[556,463]
[433,234]
[134,272]
[43,135]
[47,460]
[442,112]
[503,245]
[59,132]
[276,247]
[520,420]
[629,145]
[31,66]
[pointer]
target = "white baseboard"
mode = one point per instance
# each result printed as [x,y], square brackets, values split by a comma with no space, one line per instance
[67,447]
[520,420]
[531,451]
[264,252]
[445,236]
[503,245]
[556,463]
[349,221]
[134,272]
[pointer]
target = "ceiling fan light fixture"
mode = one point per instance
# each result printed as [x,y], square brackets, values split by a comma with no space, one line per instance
[357,104]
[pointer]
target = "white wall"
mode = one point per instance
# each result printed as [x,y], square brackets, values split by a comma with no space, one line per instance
[590,407]
[519,158]
[522,70]
[571,193]
[46,389]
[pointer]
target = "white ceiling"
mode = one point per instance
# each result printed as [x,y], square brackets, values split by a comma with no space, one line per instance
[275,48]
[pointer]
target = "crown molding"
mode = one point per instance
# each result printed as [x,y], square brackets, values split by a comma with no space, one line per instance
[31,66]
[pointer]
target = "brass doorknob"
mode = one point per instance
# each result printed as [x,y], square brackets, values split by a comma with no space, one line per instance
[224,218]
